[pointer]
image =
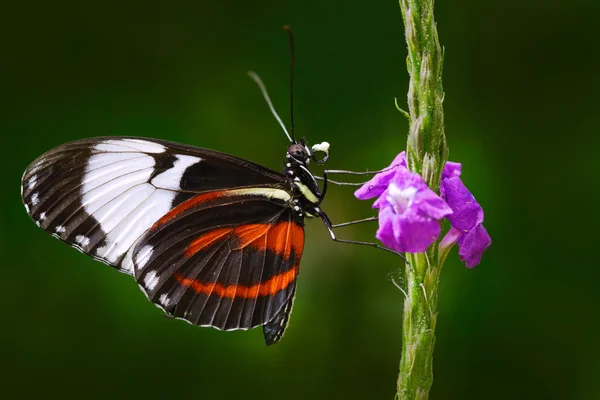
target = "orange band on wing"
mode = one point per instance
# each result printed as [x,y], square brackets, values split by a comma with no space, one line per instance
[284,236]
[250,232]
[201,198]
[206,240]
[281,238]
[268,288]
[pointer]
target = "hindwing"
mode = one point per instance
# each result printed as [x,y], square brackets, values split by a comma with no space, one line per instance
[223,260]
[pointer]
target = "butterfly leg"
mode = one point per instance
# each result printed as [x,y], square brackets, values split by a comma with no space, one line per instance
[324,179]
[330,227]
[358,221]
[322,196]
[343,171]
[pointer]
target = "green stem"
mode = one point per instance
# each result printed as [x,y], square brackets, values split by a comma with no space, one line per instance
[426,147]
[418,328]
[426,155]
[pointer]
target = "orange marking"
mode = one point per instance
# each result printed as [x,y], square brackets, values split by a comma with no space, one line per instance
[281,238]
[206,240]
[250,232]
[198,199]
[284,236]
[268,288]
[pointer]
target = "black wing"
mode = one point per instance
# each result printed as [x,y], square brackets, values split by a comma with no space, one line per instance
[227,259]
[102,194]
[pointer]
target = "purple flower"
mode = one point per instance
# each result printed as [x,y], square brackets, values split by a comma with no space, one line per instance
[408,209]
[467,222]
[451,170]
[376,186]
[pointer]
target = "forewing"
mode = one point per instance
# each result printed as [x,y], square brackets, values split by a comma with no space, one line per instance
[228,262]
[102,194]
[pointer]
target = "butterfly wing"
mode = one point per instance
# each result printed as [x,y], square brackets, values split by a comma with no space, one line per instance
[101,195]
[210,237]
[225,260]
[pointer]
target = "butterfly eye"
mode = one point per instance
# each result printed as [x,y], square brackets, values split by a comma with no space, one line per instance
[320,153]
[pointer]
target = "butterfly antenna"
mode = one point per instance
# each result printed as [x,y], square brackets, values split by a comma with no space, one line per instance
[265,94]
[292,67]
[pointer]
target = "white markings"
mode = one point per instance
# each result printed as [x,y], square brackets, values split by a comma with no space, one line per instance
[306,192]
[60,229]
[171,178]
[118,208]
[34,199]
[141,217]
[26,208]
[401,199]
[116,192]
[151,280]
[130,145]
[146,145]
[96,161]
[42,216]
[32,182]
[164,299]
[143,256]
[115,174]
[82,240]
[103,195]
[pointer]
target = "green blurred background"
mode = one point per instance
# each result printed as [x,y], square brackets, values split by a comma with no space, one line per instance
[522,82]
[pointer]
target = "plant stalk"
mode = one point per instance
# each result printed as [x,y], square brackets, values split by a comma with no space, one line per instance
[426,155]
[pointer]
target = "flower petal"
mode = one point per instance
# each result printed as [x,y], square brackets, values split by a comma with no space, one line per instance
[473,244]
[451,169]
[385,232]
[377,185]
[449,239]
[406,233]
[467,213]
[432,204]
[415,235]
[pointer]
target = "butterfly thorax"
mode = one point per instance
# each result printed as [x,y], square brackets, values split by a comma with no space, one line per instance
[306,192]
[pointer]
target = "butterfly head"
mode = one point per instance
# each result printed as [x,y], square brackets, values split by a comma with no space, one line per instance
[302,154]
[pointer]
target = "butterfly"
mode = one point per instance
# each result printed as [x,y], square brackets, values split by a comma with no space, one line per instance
[210,238]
